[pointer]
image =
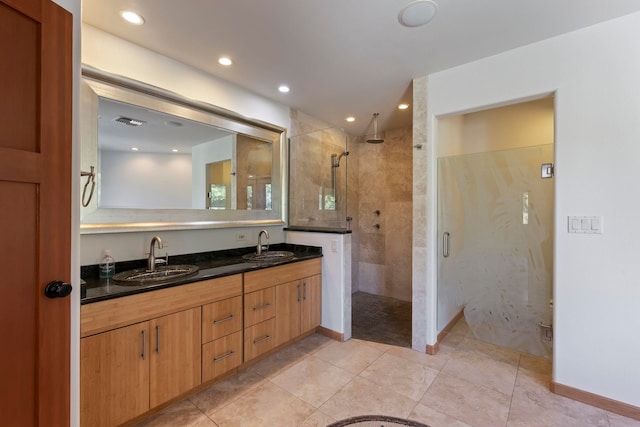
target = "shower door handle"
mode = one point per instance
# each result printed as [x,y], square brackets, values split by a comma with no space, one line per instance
[446,247]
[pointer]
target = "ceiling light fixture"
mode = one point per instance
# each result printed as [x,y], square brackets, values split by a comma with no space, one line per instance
[418,13]
[403,106]
[134,148]
[283,88]
[224,60]
[175,150]
[350,119]
[132,17]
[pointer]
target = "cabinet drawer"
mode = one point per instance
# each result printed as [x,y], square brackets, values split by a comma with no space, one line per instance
[259,306]
[221,318]
[266,277]
[221,356]
[259,339]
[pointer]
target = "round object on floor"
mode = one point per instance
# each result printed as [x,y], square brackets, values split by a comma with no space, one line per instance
[376,421]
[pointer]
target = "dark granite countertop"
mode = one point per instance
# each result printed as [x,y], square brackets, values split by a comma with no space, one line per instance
[212,264]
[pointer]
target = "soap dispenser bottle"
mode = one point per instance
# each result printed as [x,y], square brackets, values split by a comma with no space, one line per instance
[107,265]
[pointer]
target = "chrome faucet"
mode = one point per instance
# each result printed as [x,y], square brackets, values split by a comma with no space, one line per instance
[151,264]
[259,247]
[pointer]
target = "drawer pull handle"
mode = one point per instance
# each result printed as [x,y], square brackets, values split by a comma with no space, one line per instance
[224,356]
[229,317]
[259,340]
[261,307]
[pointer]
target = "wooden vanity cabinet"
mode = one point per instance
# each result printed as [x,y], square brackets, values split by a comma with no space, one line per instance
[140,351]
[297,290]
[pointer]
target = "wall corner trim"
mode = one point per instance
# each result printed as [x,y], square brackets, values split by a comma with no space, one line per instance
[596,400]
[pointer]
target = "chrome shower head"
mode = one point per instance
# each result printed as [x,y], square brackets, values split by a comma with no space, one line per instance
[335,159]
[375,139]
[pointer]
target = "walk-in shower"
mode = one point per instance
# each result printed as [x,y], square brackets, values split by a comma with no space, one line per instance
[376,139]
[318,179]
[335,164]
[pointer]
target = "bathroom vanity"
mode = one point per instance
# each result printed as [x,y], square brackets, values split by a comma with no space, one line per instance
[143,347]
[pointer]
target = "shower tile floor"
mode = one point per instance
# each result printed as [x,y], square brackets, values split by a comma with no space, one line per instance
[317,381]
[381,319]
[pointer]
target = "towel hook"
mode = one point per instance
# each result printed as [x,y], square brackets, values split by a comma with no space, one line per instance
[91,178]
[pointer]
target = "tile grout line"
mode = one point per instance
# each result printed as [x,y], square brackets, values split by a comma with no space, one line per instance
[515,380]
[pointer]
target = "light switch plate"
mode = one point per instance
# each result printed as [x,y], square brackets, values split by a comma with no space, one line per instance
[584,224]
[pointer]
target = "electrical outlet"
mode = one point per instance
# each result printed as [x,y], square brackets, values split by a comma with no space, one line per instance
[241,237]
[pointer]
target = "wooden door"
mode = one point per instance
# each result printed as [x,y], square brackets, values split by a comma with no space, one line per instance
[175,363]
[114,376]
[311,303]
[35,211]
[288,299]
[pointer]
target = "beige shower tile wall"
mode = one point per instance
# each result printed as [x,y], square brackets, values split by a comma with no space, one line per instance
[312,144]
[323,141]
[385,183]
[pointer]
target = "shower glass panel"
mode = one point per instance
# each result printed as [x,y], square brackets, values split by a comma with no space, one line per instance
[495,224]
[318,180]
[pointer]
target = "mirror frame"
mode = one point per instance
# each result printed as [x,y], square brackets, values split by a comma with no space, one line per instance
[95,220]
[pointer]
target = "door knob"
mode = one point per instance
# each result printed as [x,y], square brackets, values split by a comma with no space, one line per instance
[57,289]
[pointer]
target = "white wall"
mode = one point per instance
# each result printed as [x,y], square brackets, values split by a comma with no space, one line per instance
[109,53]
[594,74]
[145,180]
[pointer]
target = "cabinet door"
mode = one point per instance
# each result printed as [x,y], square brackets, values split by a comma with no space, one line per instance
[114,376]
[259,306]
[311,303]
[288,299]
[174,355]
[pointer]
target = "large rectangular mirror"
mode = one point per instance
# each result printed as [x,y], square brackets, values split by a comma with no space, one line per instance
[165,162]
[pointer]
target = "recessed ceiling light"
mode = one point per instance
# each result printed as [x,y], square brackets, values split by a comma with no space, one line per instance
[224,60]
[175,150]
[418,13]
[173,124]
[134,148]
[403,106]
[350,119]
[131,17]
[283,88]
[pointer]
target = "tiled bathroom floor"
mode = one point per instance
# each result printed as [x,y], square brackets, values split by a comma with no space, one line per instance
[318,381]
[381,319]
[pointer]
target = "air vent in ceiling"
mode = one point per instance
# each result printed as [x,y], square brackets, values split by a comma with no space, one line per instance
[129,121]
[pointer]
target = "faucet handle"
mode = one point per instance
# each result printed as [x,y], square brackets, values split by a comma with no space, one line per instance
[164,261]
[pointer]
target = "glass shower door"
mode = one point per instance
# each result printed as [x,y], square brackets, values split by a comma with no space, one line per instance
[495,224]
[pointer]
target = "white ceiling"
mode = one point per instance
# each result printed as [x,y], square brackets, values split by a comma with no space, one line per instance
[341,57]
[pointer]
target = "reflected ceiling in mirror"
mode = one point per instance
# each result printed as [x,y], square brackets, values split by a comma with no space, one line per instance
[152,149]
